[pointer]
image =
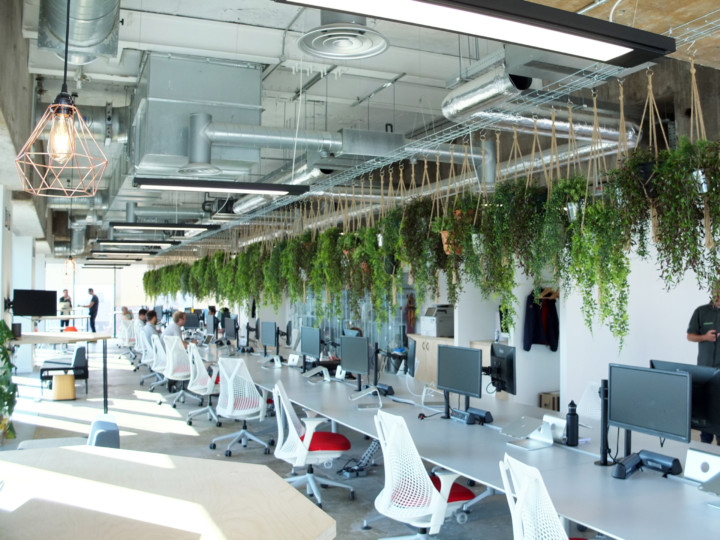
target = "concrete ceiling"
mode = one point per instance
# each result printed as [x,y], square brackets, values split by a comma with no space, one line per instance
[428,63]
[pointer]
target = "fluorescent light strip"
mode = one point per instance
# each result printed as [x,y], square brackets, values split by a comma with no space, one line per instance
[105,266]
[214,186]
[122,252]
[137,243]
[532,25]
[101,260]
[132,226]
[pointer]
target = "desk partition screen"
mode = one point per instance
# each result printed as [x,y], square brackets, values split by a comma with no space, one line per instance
[459,370]
[650,401]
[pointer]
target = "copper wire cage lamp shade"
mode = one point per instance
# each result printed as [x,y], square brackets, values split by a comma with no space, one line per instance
[72,163]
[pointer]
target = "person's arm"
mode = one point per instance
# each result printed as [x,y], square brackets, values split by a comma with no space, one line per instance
[710,335]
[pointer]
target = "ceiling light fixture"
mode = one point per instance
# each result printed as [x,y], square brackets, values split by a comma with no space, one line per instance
[106,266]
[134,226]
[73,163]
[162,244]
[122,252]
[218,186]
[105,261]
[519,22]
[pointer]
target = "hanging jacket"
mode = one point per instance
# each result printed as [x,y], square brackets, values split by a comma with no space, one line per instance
[541,323]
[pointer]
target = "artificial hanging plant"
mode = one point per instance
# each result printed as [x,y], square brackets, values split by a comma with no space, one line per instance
[8,389]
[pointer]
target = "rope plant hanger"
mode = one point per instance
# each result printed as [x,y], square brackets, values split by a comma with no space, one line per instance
[72,164]
[697,131]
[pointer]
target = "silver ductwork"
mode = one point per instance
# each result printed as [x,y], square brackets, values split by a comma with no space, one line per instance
[490,88]
[93,28]
[264,137]
[110,125]
[77,238]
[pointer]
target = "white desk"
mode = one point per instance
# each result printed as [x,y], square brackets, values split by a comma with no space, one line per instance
[94,492]
[66,338]
[643,506]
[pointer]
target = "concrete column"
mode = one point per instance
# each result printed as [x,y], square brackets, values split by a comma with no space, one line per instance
[6,250]
[23,267]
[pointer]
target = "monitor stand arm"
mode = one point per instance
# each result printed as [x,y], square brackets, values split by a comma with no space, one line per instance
[367,392]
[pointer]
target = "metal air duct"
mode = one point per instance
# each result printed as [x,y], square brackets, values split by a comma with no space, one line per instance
[93,28]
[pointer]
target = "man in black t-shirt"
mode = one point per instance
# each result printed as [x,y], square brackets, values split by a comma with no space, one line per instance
[703,329]
[93,306]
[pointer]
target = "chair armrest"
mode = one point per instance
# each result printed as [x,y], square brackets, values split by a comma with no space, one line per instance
[311,425]
[447,479]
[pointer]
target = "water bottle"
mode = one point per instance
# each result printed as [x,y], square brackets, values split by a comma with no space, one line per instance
[572,425]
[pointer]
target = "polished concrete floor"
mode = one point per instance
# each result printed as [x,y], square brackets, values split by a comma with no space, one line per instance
[149,426]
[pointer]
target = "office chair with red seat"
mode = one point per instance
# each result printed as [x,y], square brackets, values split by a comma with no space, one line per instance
[410,495]
[304,446]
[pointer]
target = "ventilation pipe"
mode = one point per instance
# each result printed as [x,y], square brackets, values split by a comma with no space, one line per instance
[130,212]
[93,27]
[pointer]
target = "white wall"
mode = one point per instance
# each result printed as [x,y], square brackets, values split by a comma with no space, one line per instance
[658,324]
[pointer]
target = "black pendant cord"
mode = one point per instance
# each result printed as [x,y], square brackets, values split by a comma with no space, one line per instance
[67,39]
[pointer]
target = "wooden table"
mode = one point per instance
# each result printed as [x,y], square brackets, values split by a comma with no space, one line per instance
[94,492]
[67,338]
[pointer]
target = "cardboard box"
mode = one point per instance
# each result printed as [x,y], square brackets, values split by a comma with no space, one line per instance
[63,387]
[549,400]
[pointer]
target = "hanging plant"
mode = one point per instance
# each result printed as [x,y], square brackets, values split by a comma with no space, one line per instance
[356,269]
[680,209]
[226,281]
[274,284]
[199,285]
[599,266]
[151,284]
[421,250]
[382,252]
[296,264]
[326,276]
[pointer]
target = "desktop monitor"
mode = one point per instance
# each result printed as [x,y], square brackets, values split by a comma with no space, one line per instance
[502,368]
[34,303]
[268,334]
[411,356]
[650,401]
[705,403]
[355,355]
[230,328]
[159,311]
[188,310]
[192,321]
[459,370]
[310,341]
[210,326]
[288,334]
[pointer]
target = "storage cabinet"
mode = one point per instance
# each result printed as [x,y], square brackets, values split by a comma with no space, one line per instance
[426,356]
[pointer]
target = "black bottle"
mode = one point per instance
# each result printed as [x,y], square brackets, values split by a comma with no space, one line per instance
[572,425]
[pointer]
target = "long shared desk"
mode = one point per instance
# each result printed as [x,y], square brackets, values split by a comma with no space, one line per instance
[646,505]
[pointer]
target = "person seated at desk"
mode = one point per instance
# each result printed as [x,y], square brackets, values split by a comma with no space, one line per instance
[150,328]
[175,327]
[127,314]
[142,315]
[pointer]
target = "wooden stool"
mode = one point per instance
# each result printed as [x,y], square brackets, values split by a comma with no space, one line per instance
[63,387]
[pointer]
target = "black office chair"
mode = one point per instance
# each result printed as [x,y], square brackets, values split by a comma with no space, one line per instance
[78,367]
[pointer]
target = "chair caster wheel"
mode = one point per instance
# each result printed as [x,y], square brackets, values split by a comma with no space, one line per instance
[352,495]
[212,446]
[182,400]
[160,402]
[319,505]
[152,389]
[189,422]
[272,442]
[219,424]
[174,406]
[228,453]
[267,451]
[142,383]
[461,518]
[470,483]
[324,486]
[201,402]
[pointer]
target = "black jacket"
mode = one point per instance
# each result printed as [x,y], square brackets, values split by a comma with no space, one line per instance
[541,323]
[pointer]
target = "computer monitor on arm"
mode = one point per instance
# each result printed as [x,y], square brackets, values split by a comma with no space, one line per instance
[459,370]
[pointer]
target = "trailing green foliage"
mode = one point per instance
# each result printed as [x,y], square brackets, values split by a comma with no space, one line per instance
[519,225]
[8,389]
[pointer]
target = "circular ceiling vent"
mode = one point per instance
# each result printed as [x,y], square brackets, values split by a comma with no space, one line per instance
[344,41]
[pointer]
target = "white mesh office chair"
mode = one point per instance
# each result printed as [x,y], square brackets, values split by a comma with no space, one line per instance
[148,359]
[138,331]
[177,368]
[300,445]
[126,337]
[239,400]
[410,495]
[202,384]
[533,514]
[160,362]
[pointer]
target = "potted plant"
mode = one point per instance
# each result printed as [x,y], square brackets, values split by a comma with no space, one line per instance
[8,389]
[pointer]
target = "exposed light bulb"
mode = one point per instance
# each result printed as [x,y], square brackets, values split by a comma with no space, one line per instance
[61,145]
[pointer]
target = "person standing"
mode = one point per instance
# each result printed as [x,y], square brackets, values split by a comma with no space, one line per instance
[65,308]
[93,307]
[703,330]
